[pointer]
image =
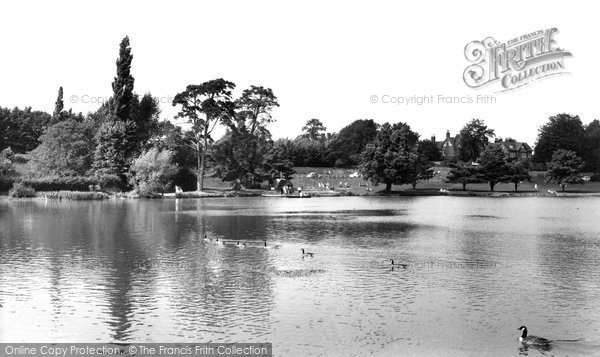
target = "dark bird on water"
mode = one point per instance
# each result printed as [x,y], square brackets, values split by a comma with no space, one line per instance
[306,254]
[532,340]
[403,266]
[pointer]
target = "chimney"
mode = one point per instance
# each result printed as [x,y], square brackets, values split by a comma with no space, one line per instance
[447,134]
[433,138]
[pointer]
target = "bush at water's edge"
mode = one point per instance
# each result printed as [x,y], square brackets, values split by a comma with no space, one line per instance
[70,183]
[20,190]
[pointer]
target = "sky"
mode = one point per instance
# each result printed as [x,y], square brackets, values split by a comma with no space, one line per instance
[324,60]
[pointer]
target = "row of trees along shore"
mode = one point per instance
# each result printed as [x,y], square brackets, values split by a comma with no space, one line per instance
[124,145]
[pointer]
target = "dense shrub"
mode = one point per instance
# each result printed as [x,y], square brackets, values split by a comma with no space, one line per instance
[109,183]
[152,172]
[70,183]
[76,195]
[112,183]
[145,190]
[6,184]
[20,190]
[65,149]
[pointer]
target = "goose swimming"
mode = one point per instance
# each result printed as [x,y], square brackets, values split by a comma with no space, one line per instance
[398,265]
[532,340]
[306,254]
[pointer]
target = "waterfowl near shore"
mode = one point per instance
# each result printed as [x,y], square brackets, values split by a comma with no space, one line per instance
[241,245]
[306,254]
[206,239]
[532,340]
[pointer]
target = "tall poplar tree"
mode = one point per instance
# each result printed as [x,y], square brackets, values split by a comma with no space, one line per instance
[123,84]
[59,105]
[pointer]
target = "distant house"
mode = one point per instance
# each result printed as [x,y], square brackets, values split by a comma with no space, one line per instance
[449,146]
[515,149]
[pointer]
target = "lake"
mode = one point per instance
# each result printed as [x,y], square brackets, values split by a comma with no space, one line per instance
[468,271]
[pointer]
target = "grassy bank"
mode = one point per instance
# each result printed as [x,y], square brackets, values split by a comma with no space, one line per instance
[329,182]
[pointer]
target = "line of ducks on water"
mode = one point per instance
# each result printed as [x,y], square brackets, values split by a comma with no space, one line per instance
[305,253]
[242,245]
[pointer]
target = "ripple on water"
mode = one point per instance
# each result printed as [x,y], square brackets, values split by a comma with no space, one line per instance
[70,275]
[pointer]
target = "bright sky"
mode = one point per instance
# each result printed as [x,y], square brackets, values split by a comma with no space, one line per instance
[323,60]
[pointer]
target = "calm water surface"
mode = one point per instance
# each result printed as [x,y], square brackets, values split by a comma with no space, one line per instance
[140,271]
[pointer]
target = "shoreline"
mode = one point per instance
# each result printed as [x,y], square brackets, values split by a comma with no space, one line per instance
[313,194]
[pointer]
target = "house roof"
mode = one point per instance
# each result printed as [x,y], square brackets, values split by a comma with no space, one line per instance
[515,146]
[453,141]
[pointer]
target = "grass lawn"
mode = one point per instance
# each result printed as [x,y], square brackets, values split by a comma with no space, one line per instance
[358,185]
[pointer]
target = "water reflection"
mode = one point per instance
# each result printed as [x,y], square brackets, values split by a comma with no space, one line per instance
[125,270]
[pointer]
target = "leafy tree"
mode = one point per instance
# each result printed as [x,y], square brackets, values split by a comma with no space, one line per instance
[123,84]
[153,172]
[66,149]
[113,144]
[277,164]
[253,111]
[347,146]
[564,168]
[591,154]
[238,157]
[171,137]
[205,105]
[430,150]
[562,131]
[419,169]
[306,152]
[131,120]
[517,171]
[144,114]
[314,129]
[240,154]
[115,141]
[474,137]
[388,159]
[493,165]
[20,129]
[6,165]
[463,173]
